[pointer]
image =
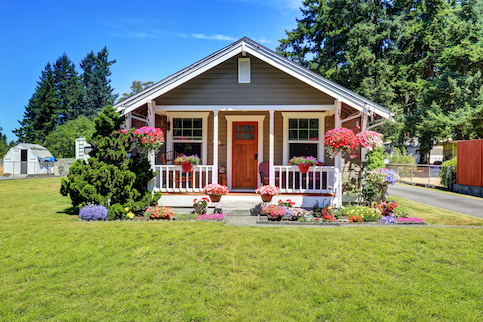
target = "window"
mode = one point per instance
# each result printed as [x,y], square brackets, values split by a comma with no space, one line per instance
[303,149]
[188,148]
[187,128]
[243,70]
[303,129]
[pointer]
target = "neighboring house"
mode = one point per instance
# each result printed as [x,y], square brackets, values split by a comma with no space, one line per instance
[412,147]
[28,159]
[245,105]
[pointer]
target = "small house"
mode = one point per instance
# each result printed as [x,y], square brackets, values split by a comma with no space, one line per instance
[28,159]
[245,111]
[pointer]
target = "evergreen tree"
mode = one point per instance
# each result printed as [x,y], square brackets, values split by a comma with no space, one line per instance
[69,90]
[113,172]
[4,146]
[98,91]
[40,116]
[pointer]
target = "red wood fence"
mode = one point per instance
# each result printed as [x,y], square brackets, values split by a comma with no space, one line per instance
[470,163]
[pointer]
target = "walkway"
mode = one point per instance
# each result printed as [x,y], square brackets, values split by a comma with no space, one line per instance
[449,201]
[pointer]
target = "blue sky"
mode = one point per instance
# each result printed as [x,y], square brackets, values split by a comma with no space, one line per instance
[149,39]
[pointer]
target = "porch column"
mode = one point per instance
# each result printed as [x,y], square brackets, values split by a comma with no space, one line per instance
[151,156]
[364,128]
[128,119]
[214,177]
[338,158]
[271,153]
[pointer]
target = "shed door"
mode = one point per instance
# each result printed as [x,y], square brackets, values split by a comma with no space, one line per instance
[23,162]
[245,154]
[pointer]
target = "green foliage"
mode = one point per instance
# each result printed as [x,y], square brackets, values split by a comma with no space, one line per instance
[375,159]
[136,87]
[4,146]
[422,60]
[112,172]
[399,156]
[61,142]
[69,90]
[445,172]
[117,211]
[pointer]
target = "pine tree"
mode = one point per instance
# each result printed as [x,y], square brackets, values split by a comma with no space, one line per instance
[40,116]
[113,174]
[69,90]
[98,91]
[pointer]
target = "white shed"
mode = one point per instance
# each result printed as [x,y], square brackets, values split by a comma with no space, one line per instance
[25,158]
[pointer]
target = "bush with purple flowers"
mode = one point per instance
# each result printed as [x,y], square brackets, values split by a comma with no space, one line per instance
[386,220]
[93,212]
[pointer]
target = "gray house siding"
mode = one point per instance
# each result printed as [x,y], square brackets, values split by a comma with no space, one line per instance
[220,86]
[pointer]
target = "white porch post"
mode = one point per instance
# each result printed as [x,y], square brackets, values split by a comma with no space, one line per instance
[271,153]
[128,119]
[151,156]
[364,128]
[214,177]
[338,158]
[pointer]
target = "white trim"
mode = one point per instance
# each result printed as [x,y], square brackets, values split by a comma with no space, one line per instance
[214,177]
[309,115]
[271,155]
[244,108]
[244,71]
[229,138]
[204,134]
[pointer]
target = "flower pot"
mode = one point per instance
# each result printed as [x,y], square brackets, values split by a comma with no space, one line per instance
[266,198]
[271,218]
[199,210]
[215,198]
[383,195]
[187,167]
[304,167]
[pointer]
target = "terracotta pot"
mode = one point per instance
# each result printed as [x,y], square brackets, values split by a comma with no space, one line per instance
[304,167]
[267,198]
[215,198]
[187,167]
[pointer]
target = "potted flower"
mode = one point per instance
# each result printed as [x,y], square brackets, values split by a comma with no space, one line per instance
[148,139]
[215,191]
[369,140]
[200,205]
[383,177]
[267,192]
[273,212]
[158,212]
[340,140]
[187,162]
[303,162]
[286,203]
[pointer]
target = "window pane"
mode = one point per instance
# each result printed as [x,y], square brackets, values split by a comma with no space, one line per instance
[177,123]
[177,133]
[187,133]
[187,123]
[252,136]
[197,133]
[303,123]
[314,134]
[188,148]
[238,128]
[292,135]
[197,123]
[303,134]
[303,149]
[252,128]
[314,124]
[293,123]
[238,136]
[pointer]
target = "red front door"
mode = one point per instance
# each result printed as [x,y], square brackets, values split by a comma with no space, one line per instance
[245,154]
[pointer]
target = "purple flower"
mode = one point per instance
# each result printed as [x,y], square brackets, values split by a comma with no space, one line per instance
[93,212]
[386,220]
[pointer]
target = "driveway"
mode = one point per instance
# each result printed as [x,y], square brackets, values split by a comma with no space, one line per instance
[458,203]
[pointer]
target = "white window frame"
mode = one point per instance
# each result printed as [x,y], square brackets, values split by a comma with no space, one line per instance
[305,115]
[244,78]
[204,132]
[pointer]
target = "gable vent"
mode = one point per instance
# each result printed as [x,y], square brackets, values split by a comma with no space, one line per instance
[243,70]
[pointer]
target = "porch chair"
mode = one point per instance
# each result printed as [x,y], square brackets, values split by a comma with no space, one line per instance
[169,157]
[186,178]
[264,171]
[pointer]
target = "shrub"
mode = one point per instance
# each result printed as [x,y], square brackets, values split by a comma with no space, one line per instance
[445,172]
[399,157]
[93,212]
[375,159]
[117,211]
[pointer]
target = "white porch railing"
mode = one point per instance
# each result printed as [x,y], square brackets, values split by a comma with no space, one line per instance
[319,179]
[171,178]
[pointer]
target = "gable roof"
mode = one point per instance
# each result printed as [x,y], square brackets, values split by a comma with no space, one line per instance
[246,45]
[37,149]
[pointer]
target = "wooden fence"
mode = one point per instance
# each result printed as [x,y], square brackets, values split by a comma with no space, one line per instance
[470,163]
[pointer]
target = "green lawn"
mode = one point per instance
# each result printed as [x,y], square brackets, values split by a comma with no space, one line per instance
[54,267]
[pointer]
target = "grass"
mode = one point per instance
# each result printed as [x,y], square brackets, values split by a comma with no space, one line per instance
[54,267]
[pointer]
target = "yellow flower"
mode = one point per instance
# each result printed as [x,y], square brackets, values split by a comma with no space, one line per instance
[126,209]
[130,215]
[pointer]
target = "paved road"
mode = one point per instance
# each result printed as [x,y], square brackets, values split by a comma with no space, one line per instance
[461,204]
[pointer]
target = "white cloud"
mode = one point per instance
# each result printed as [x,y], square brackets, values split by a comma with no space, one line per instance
[213,37]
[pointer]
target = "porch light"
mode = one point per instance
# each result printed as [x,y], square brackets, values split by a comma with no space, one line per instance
[168,126]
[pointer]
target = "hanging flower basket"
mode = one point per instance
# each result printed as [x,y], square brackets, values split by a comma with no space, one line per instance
[304,168]
[187,167]
[369,140]
[148,139]
[340,140]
